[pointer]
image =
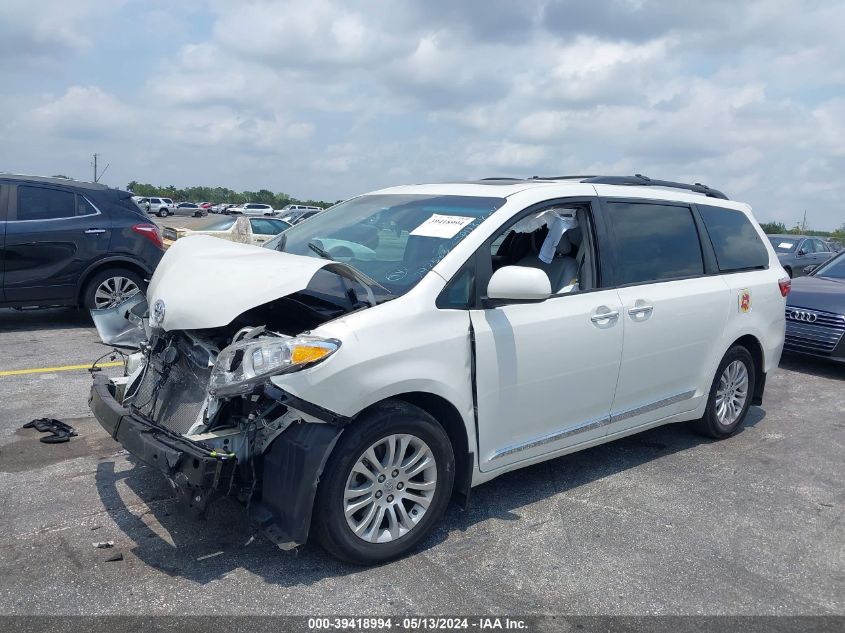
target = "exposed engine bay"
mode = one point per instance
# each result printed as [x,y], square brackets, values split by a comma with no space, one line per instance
[198,404]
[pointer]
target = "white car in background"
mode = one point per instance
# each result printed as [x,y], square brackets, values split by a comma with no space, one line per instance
[296,213]
[492,325]
[162,207]
[251,208]
[233,228]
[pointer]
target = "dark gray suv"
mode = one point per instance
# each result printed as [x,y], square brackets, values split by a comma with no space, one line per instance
[65,242]
[797,252]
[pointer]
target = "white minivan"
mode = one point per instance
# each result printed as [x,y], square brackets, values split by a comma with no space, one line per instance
[351,389]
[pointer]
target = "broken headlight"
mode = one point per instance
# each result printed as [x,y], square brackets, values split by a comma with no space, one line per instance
[246,363]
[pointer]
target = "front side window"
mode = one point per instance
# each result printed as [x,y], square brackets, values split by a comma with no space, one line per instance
[736,243]
[395,239]
[654,242]
[39,203]
[551,239]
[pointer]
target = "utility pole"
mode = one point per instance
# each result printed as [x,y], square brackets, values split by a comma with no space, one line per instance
[96,175]
[804,223]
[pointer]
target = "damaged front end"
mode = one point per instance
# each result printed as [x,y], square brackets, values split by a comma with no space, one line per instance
[197,404]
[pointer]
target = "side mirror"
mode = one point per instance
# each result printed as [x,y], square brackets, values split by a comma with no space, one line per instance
[519,284]
[809,269]
[801,252]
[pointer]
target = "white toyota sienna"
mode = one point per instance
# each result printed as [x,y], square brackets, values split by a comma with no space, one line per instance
[363,367]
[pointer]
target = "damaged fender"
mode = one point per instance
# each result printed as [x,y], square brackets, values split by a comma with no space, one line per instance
[292,470]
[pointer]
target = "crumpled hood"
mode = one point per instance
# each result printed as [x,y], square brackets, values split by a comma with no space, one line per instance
[818,293]
[205,282]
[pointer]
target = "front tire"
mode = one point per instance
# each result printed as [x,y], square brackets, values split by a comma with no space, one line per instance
[385,486]
[730,395]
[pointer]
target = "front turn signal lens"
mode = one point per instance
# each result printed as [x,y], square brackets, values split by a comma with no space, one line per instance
[308,353]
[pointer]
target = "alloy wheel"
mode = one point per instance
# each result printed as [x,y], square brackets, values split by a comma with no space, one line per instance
[390,488]
[732,393]
[113,291]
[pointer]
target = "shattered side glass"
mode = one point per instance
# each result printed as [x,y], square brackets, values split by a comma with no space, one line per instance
[123,325]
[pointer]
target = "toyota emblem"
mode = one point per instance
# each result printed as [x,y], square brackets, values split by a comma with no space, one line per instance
[802,315]
[158,311]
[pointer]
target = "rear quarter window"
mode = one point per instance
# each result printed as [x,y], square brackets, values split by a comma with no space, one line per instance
[734,239]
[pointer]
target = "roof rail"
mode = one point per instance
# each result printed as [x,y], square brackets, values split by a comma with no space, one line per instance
[561,177]
[638,180]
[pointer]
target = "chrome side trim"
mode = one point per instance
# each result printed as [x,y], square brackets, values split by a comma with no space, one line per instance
[590,425]
[553,437]
[665,402]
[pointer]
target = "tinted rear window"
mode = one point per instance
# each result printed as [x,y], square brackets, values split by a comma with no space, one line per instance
[737,244]
[654,242]
[39,203]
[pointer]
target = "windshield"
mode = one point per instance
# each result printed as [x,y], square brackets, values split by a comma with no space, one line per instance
[394,239]
[783,244]
[834,268]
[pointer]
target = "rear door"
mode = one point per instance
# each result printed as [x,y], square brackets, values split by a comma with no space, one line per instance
[52,235]
[673,312]
[821,253]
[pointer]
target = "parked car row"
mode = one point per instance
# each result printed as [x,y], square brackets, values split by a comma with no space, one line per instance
[163,207]
[233,228]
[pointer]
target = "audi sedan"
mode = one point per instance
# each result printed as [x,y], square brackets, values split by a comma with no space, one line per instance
[815,312]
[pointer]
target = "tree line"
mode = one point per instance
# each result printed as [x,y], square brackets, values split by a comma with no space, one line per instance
[220,195]
[776,228]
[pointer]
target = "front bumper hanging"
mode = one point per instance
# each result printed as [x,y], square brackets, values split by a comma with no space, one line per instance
[197,474]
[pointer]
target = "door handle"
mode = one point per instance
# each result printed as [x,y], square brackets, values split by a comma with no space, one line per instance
[641,311]
[94,231]
[603,318]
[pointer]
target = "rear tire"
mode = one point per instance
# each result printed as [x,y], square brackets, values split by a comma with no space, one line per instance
[730,395]
[119,283]
[404,505]
[163,213]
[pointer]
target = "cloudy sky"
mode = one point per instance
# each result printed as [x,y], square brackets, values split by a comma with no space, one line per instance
[324,99]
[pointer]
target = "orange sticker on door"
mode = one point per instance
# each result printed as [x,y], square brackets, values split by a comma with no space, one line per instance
[745,301]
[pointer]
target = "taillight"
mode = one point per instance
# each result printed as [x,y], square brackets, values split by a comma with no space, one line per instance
[785,285]
[151,232]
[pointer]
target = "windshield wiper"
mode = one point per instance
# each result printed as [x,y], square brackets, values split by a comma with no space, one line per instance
[320,251]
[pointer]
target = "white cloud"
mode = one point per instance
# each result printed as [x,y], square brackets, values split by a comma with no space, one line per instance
[749,98]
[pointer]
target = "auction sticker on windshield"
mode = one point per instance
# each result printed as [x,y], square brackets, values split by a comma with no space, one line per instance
[445,226]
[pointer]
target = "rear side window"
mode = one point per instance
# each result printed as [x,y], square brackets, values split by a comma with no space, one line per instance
[83,207]
[737,245]
[39,203]
[654,242]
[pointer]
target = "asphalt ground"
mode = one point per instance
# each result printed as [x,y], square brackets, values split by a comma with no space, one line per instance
[664,522]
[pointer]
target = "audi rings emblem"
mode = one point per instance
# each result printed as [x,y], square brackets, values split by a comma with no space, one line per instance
[803,315]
